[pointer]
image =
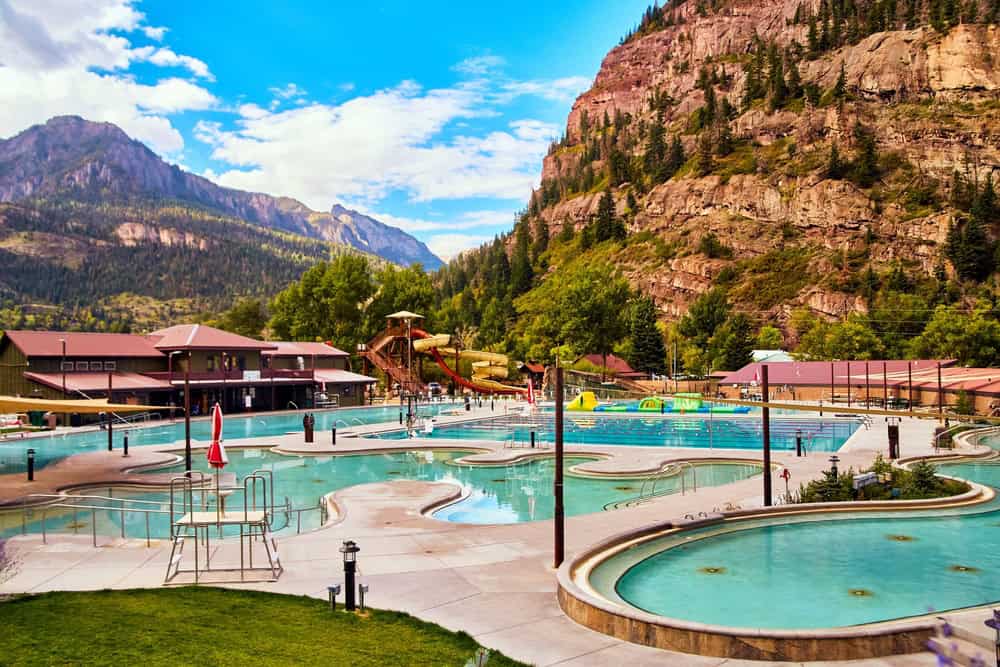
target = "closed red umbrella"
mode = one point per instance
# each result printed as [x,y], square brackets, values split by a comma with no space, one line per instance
[216,452]
[217,456]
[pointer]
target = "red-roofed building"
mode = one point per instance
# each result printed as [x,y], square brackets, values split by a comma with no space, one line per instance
[615,365]
[924,381]
[238,372]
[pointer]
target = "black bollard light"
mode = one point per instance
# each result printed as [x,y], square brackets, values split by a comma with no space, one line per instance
[833,465]
[332,592]
[125,445]
[532,439]
[798,442]
[350,550]
[362,589]
[31,465]
[400,417]
[334,435]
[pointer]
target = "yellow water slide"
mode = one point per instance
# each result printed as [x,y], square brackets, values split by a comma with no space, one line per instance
[485,365]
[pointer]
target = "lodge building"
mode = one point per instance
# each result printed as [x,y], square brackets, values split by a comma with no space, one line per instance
[240,373]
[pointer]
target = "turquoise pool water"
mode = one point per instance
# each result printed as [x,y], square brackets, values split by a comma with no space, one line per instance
[654,431]
[825,573]
[54,448]
[492,494]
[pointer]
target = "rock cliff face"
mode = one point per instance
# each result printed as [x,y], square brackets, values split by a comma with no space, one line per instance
[74,158]
[930,98]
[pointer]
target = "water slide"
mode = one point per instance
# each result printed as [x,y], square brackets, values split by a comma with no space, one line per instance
[485,365]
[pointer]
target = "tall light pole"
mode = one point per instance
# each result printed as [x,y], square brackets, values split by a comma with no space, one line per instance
[62,369]
[187,415]
[559,523]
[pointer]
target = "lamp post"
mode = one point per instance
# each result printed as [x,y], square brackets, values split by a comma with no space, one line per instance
[834,460]
[350,550]
[766,428]
[62,369]
[559,514]
[187,415]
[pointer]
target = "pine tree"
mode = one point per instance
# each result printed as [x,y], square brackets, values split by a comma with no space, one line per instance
[604,224]
[705,163]
[541,239]
[676,157]
[865,171]
[648,351]
[834,166]
[813,38]
[724,144]
[654,161]
[794,81]
[840,88]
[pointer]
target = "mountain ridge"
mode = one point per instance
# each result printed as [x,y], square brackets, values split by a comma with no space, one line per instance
[69,156]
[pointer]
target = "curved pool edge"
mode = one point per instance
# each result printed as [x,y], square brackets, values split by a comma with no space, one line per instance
[588,607]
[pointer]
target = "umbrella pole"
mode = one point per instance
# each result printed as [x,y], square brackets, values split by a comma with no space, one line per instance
[218,502]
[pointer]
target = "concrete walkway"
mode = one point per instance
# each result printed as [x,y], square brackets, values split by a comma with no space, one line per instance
[494,582]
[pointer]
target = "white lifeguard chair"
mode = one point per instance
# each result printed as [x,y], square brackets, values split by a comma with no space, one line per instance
[192,518]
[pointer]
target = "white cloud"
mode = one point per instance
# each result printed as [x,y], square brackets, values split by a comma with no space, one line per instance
[371,145]
[62,58]
[156,33]
[252,111]
[479,65]
[347,86]
[447,246]
[464,221]
[165,57]
[288,91]
[558,90]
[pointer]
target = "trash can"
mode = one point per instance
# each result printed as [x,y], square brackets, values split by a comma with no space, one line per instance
[36,417]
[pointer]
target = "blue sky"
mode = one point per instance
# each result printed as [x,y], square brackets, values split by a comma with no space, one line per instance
[432,116]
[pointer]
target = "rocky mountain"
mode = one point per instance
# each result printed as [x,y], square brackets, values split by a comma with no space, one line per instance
[72,158]
[787,150]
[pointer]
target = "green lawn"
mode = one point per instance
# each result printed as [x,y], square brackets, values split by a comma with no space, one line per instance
[214,626]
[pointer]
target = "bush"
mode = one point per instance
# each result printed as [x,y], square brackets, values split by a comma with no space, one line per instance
[920,481]
[713,248]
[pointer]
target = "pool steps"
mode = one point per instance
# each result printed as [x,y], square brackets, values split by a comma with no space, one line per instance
[964,642]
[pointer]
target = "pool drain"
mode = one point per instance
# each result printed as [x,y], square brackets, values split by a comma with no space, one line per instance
[861,593]
[963,568]
[624,488]
[712,570]
[902,538]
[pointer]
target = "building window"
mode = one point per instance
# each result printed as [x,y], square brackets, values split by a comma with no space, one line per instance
[210,362]
[83,366]
[110,365]
[66,366]
[96,366]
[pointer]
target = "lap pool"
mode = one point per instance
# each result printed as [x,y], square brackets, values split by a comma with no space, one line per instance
[731,432]
[491,494]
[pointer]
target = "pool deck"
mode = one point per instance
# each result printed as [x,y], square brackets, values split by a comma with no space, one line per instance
[495,582]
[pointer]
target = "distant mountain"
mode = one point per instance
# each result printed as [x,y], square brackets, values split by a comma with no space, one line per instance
[75,159]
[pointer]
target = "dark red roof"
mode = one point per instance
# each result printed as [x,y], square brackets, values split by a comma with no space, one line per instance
[613,363]
[82,344]
[202,337]
[98,382]
[297,349]
[844,372]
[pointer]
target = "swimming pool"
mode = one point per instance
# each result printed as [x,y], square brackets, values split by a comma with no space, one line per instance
[825,435]
[50,449]
[492,494]
[809,572]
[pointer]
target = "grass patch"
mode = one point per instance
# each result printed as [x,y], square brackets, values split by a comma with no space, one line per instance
[214,626]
